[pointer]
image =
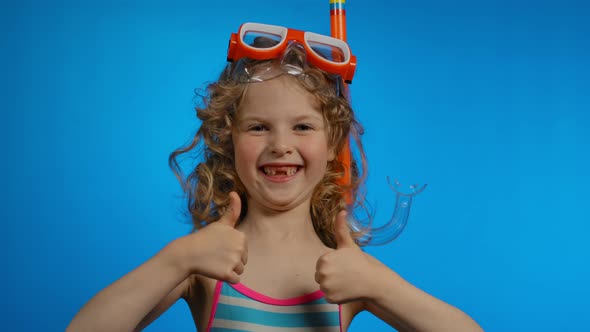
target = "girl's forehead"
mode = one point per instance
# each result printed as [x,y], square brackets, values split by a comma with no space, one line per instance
[282,95]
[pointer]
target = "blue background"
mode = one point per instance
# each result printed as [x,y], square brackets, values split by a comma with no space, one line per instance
[487,102]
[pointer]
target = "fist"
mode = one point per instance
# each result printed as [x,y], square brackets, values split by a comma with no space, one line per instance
[345,274]
[218,250]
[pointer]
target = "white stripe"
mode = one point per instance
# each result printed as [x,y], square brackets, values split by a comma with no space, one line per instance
[295,309]
[231,324]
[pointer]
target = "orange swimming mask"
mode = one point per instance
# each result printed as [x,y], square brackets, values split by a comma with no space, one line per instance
[263,42]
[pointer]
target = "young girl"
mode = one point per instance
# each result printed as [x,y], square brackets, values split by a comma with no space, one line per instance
[273,250]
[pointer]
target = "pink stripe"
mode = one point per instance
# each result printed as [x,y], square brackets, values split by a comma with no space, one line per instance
[283,302]
[214,306]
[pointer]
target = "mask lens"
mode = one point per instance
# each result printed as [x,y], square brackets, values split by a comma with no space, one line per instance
[260,39]
[328,52]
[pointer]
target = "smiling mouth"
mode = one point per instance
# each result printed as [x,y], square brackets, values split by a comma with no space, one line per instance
[280,170]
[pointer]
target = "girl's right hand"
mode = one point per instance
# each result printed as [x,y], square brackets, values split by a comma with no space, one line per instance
[218,250]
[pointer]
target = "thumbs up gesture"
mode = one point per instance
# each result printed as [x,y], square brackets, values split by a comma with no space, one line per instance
[346,274]
[218,250]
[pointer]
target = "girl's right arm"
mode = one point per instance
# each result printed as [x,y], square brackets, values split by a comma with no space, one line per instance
[123,304]
[217,251]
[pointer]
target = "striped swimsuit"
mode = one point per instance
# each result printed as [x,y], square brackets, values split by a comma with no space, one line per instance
[237,308]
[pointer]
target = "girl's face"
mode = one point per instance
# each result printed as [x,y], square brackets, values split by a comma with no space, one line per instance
[280,143]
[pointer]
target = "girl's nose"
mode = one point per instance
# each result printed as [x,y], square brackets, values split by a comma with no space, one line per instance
[280,144]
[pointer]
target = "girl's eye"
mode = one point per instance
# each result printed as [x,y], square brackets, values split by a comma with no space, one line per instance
[257,127]
[303,127]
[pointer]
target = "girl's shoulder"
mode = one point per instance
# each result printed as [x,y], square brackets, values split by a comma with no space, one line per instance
[199,297]
[199,286]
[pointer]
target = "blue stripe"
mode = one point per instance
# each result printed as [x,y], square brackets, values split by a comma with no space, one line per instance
[230,291]
[223,329]
[318,301]
[308,319]
[334,6]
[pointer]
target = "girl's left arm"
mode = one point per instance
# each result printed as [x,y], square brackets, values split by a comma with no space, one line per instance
[348,274]
[402,305]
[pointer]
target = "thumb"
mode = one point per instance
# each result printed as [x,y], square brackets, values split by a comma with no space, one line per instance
[232,212]
[342,232]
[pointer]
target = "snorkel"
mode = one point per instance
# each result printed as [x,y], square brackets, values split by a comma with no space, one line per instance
[403,201]
[338,30]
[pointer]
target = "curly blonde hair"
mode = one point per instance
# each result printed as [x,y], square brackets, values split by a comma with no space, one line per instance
[207,185]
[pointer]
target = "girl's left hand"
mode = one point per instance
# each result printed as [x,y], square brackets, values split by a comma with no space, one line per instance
[347,273]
